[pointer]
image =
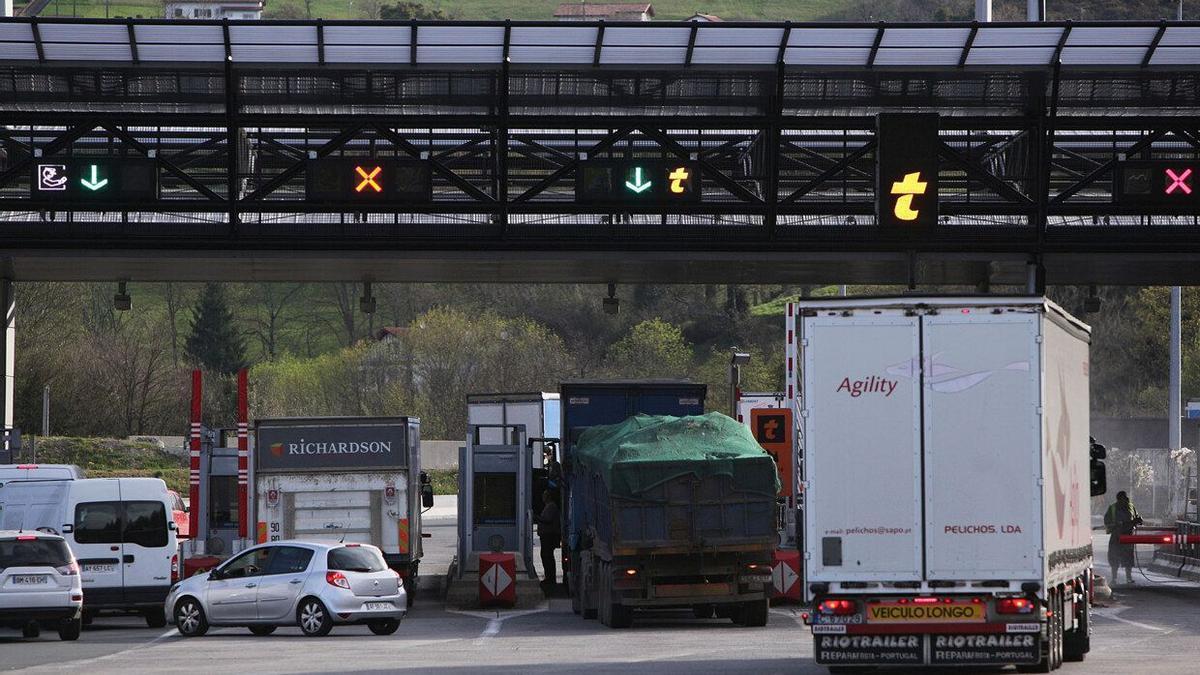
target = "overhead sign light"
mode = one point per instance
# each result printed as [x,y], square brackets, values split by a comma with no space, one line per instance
[1172,184]
[658,182]
[906,172]
[368,180]
[81,179]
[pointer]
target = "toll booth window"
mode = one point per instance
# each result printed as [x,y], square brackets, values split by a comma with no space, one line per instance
[146,524]
[98,523]
[495,498]
[222,502]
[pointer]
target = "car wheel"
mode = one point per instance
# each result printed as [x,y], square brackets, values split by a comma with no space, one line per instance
[385,627]
[31,630]
[189,618]
[155,617]
[262,631]
[313,618]
[69,629]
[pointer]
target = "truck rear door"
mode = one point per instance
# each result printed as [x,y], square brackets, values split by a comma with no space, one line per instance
[982,445]
[861,422]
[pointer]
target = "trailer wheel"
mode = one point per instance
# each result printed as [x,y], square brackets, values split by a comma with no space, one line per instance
[587,602]
[1053,656]
[1078,642]
[754,613]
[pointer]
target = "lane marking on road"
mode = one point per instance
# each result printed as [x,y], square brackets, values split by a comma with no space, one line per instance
[1114,614]
[498,617]
[170,633]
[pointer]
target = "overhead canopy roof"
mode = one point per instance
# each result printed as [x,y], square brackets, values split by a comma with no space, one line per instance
[993,45]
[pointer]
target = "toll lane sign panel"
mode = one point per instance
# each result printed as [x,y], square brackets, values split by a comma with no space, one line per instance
[83,179]
[637,182]
[368,180]
[1174,185]
[906,172]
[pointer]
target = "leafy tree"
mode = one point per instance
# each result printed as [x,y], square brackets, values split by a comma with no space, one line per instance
[652,348]
[215,342]
[286,10]
[403,11]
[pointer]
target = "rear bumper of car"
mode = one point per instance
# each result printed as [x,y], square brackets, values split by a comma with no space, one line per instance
[24,614]
[353,608]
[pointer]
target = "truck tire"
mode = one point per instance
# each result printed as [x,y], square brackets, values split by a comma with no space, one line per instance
[410,590]
[754,614]
[1078,642]
[587,577]
[612,613]
[1052,658]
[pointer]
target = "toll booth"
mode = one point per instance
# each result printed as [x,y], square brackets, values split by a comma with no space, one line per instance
[218,513]
[494,480]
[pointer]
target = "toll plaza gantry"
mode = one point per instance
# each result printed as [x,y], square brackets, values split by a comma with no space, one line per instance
[603,152]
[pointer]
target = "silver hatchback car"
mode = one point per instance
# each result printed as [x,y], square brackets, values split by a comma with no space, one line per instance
[292,583]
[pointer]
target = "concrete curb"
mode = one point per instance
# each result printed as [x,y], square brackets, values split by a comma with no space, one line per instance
[1172,565]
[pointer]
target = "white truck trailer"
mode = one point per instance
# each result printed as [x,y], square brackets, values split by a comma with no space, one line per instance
[945,458]
[352,479]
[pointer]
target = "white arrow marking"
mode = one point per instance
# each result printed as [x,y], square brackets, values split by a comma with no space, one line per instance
[638,186]
[96,182]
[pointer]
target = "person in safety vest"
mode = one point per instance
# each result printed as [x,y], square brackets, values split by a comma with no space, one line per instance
[1121,518]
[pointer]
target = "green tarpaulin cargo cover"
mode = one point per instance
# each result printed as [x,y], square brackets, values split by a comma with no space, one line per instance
[646,450]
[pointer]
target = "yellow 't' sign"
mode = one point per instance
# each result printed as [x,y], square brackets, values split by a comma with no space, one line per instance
[677,177]
[907,188]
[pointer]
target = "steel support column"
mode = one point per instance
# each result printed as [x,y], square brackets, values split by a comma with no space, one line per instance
[8,338]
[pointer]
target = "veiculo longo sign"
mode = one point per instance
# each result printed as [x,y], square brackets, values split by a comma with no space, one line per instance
[286,446]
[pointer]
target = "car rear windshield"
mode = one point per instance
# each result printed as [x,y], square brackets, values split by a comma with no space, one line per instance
[33,553]
[356,559]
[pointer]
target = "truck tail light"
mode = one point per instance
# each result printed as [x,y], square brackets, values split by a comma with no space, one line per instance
[925,601]
[337,579]
[631,572]
[837,607]
[1014,606]
[68,570]
[175,568]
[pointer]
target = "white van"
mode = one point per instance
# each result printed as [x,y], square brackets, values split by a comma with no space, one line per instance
[12,472]
[120,530]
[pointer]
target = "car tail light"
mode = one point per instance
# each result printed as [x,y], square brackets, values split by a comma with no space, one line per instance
[70,569]
[353,545]
[76,598]
[1014,606]
[175,568]
[26,537]
[27,466]
[838,607]
[337,579]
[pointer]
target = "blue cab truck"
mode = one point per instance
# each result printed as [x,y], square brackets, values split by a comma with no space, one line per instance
[612,567]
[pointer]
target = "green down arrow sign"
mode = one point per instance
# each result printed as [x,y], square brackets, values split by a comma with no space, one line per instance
[96,182]
[637,185]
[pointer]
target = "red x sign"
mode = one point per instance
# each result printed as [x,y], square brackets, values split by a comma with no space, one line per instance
[1179,181]
[368,179]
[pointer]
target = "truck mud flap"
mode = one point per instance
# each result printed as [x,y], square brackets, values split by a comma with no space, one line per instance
[935,650]
[982,650]
[833,650]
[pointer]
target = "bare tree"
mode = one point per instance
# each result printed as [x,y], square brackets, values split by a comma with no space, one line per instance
[270,303]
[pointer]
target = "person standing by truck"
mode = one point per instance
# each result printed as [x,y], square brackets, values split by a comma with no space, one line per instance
[549,524]
[1121,518]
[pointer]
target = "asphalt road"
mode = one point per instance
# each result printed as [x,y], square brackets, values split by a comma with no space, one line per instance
[1149,628]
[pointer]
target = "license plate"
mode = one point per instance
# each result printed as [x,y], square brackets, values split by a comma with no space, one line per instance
[379,605]
[892,612]
[99,569]
[29,580]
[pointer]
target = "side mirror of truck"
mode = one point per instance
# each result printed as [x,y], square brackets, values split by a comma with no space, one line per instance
[427,495]
[1099,477]
[1098,451]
